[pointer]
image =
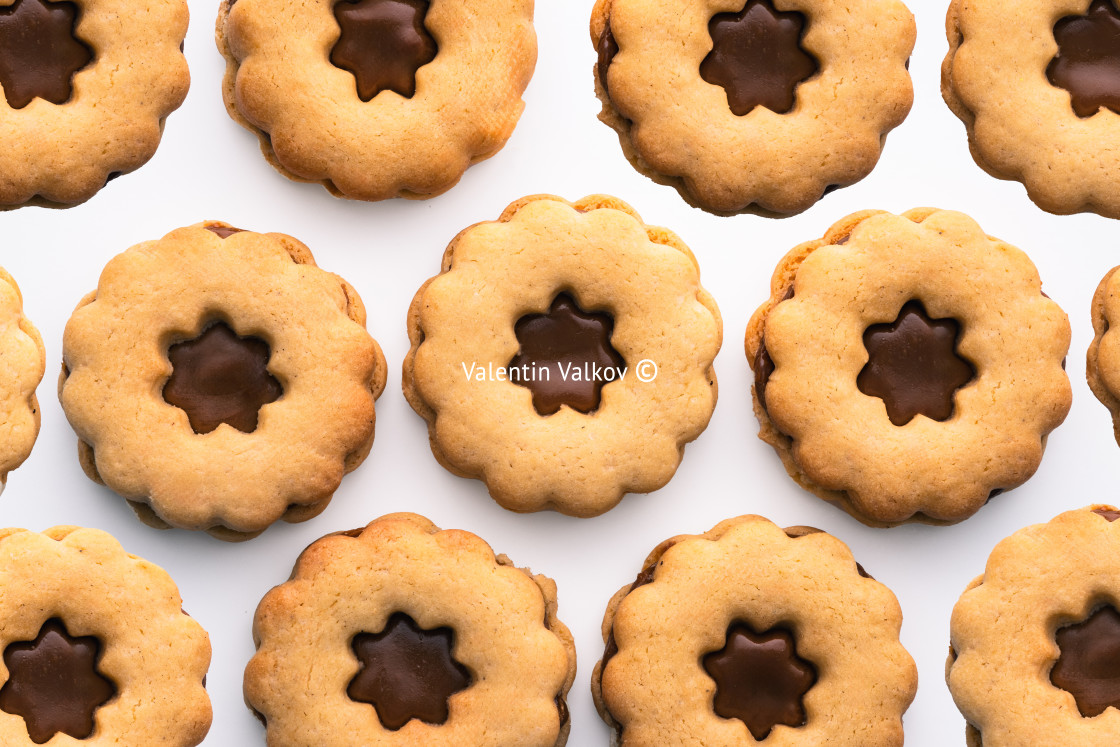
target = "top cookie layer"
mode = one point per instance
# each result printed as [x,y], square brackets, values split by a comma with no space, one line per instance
[840,441]
[61,151]
[314,126]
[680,129]
[599,254]
[1020,125]
[266,286]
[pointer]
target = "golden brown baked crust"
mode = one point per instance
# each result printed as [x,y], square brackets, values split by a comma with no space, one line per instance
[693,587]
[228,482]
[678,129]
[155,654]
[58,155]
[494,273]
[281,85]
[838,442]
[506,634]
[1020,126]
[1039,579]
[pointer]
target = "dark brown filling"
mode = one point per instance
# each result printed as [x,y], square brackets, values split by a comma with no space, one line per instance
[407,672]
[1109,513]
[760,679]
[1088,60]
[39,51]
[913,365]
[223,232]
[383,43]
[565,357]
[607,49]
[54,684]
[1088,666]
[757,57]
[219,377]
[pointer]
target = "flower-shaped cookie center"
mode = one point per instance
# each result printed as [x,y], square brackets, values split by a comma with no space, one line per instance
[760,679]
[53,683]
[39,52]
[1089,664]
[407,672]
[1088,60]
[219,377]
[566,357]
[383,43]
[757,57]
[913,365]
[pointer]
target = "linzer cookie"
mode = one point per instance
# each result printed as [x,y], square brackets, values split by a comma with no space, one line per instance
[1037,85]
[24,361]
[1040,629]
[87,86]
[750,633]
[219,380]
[96,646]
[753,105]
[564,354]
[1102,365]
[377,98]
[908,368]
[402,634]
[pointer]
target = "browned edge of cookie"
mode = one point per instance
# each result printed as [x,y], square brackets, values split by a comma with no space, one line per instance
[229,97]
[955,37]
[295,513]
[1092,356]
[656,234]
[551,621]
[647,575]
[26,327]
[600,22]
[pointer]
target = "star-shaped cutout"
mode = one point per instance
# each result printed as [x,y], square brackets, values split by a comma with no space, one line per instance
[219,377]
[913,365]
[757,57]
[407,672]
[39,52]
[383,43]
[564,354]
[760,679]
[1088,60]
[53,683]
[1089,664]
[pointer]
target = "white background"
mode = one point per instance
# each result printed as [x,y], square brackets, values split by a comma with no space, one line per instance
[209,168]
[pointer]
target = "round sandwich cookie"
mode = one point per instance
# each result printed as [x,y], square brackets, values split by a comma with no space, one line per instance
[23,362]
[97,649]
[218,379]
[87,85]
[760,106]
[1035,640]
[748,634]
[1037,85]
[908,368]
[401,634]
[564,355]
[377,98]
